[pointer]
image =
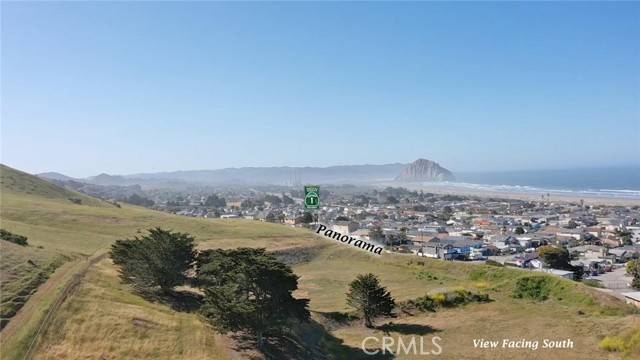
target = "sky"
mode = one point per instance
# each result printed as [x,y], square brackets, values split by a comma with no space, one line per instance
[123,87]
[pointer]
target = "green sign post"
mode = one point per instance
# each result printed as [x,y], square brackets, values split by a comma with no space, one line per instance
[311,197]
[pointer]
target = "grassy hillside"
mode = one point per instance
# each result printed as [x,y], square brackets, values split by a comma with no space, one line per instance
[14,181]
[101,318]
[22,270]
[42,212]
[572,311]
[104,319]
[58,228]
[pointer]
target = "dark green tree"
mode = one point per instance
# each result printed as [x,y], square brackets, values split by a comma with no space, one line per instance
[633,269]
[305,218]
[376,233]
[273,216]
[519,230]
[251,203]
[248,290]
[555,257]
[287,200]
[392,200]
[136,199]
[369,298]
[215,201]
[273,199]
[160,258]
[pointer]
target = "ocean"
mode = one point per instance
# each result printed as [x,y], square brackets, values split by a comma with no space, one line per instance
[615,182]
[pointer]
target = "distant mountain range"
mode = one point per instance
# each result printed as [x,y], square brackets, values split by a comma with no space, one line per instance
[419,170]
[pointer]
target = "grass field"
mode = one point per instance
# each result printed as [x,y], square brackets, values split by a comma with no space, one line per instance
[573,310]
[22,270]
[103,319]
[58,228]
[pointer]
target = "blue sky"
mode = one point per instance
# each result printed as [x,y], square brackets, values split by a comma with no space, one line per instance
[138,87]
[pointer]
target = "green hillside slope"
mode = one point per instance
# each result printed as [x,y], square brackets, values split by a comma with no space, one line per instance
[14,181]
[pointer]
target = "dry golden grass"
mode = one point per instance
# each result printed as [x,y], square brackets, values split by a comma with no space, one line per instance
[573,311]
[105,320]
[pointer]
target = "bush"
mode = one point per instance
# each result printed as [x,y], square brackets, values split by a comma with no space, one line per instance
[447,299]
[14,238]
[536,288]
[612,343]
[440,299]
[425,275]
[425,303]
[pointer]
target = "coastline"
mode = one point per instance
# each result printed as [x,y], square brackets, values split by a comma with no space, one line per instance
[451,189]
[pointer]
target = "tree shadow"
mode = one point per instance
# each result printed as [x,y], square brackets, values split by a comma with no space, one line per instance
[407,329]
[304,341]
[178,300]
[339,317]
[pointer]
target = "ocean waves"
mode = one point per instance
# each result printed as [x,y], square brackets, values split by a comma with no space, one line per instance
[532,190]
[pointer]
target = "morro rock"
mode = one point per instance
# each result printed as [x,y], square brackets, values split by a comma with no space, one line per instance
[425,170]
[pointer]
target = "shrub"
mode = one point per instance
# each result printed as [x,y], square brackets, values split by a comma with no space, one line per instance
[440,299]
[535,287]
[447,299]
[612,343]
[14,238]
[425,275]
[425,303]
[627,342]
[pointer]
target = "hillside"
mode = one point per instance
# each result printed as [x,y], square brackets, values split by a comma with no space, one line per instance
[99,317]
[13,181]
[59,228]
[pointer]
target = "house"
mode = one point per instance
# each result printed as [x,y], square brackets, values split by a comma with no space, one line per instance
[345,227]
[620,255]
[361,234]
[611,242]
[451,248]
[573,233]
[632,298]
[562,273]
[589,251]
[524,261]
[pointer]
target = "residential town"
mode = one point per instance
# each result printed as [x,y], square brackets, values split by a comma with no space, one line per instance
[599,239]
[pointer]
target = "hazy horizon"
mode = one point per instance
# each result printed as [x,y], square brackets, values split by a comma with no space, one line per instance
[123,88]
[463,172]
